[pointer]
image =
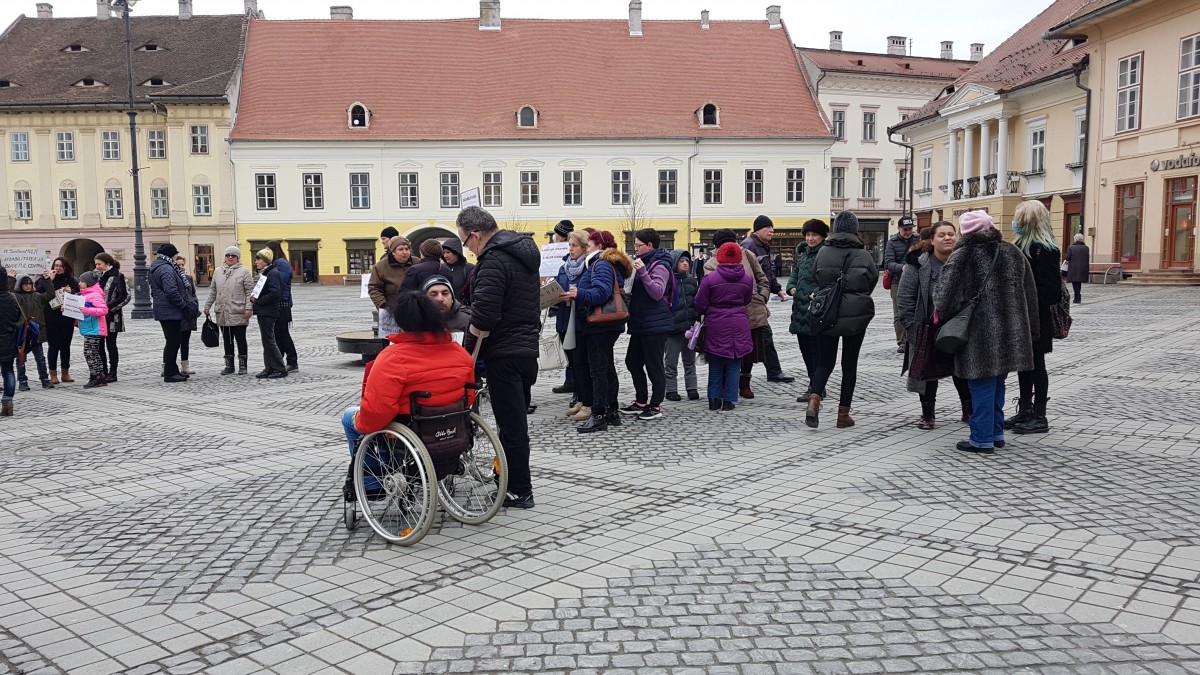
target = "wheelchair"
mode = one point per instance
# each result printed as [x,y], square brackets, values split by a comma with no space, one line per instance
[394,471]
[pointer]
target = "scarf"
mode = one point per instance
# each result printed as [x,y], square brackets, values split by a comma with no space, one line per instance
[178,270]
[574,268]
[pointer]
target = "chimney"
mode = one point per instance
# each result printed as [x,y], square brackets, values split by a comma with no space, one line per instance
[835,40]
[251,7]
[185,9]
[489,14]
[45,10]
[341,12]
[704,19]
[976,51]
[635,18]
[102,10]
[947,49]
[897,45]
[773,17]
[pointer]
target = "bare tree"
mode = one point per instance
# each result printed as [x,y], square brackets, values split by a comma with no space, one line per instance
[636,214]
[517,222]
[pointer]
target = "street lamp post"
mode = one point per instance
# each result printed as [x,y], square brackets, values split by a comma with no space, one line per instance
[141,287]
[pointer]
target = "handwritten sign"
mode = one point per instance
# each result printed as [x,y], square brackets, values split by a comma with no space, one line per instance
[469,198]
[18,261]
[262,282]
[73,306]
[364,292]
[552,255]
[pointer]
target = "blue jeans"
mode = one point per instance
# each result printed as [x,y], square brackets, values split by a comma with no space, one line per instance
[723,377]
[353,436]
[987,411]
[10,378]
[39,357]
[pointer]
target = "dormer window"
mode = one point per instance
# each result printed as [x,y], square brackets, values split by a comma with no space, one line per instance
[359,117]
[527,117]
[76,48]
[149,47]
[710,115]
[156,82]
[89,82]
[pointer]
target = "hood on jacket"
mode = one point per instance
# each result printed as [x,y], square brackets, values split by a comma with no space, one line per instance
[453,244]
[844,240]
[658,254]
[732,271]
[677,255]
[519,246]
[617,258]
[22,279]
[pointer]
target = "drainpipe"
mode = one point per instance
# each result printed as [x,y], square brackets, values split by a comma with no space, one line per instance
[1087,144]
[695,151]
[908,160]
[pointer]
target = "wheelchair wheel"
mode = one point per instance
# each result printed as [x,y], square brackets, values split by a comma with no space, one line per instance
[350,515]
[394,481]
[475,495]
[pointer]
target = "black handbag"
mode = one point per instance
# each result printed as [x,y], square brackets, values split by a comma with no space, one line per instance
[210,335]
[826,303]
[1060,314]
[952,335]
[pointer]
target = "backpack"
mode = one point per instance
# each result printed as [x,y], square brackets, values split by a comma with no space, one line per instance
[826,303]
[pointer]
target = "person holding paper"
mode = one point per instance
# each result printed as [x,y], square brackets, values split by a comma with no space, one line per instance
[116,296]
[229,300]
[60,330]
[283,325]
[268,294]
[93,328]
[171,307]
[567,326]
[386,278]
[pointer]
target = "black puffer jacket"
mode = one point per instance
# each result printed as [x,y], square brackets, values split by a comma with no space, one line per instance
[10,319]
[686,315]
[857,308]
[460,271]
[504,296]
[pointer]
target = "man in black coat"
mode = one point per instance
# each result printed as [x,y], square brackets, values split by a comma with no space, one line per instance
[506,315]
[893,261]
[759,244]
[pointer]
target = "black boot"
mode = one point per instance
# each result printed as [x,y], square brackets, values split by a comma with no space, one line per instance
[714,404]
[613,418]
[1024,414]
[927,412]
[1036,424]
[595,423]
[242,367]
[967,410]
[228,370]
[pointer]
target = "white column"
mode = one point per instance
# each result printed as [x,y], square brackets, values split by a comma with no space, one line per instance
[952,165]
[1002,157]
[985,148]
[968,154]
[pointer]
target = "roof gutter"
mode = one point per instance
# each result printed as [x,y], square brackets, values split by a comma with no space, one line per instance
[908,160]
[1063,30]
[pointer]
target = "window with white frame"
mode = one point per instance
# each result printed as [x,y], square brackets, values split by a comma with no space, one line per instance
[713,186]
[837,182]
[573,188]
[1129,92]
[449,191]
[314,190]
[68,204]
[927,170]
[868,126]
[839,124]
[530,188]
[66,146]
[1081,128]
[360,190]
[201,200]
[199,139]
[20,146]
[902,183]
[159,207]
[620,187]
[1189,77]
[1037,150]
[23,203]
[157,143]
[493,188]
[795,186]
[996,154]
[114,205]
[110,145]
[668,186]
[264,186]
[754,186]
[409,190]
[868,183]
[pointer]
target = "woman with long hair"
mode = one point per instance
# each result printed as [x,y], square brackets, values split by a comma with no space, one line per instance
[283,326]
[1035,238]
[60,329]
[923,267]
[116,296]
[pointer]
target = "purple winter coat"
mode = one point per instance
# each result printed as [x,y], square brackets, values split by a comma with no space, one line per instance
[722,301]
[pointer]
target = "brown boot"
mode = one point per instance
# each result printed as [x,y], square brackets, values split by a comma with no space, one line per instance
[744,388]
[54,376]
[813,410]
[6,408]
[844,420]
[66,376]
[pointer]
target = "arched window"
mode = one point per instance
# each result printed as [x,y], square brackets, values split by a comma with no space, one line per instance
[527,117]
[710,116]
[360,117]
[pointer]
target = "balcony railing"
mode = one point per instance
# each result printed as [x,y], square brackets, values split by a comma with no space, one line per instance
[1014,181]
[872,203]
[973,187]
[837,204]
[958,189]
[989,185]
[901,204]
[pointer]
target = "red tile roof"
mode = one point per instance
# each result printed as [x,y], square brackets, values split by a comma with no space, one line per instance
[885,64]
[1023,59]
[587,79]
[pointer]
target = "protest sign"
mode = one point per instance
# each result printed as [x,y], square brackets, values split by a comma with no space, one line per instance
[469,198]
[18,261]
[73,306]
[262,282]
[364,291]
[552,255]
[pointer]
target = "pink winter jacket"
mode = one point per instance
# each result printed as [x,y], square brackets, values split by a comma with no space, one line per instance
[94,310]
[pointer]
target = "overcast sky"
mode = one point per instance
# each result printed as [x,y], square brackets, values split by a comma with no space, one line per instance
[866,23]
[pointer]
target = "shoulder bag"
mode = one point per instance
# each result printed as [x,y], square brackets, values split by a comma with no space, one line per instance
[614,309]
[551,355]
[952,336]
[826,303]
[1060,314]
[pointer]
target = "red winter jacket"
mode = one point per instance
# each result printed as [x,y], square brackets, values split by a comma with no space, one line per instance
[414,362]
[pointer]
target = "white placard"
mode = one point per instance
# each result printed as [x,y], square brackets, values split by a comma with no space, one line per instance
[469,198]
[262,281]
[552,258]
[18,261]
[365,292]
[73,306]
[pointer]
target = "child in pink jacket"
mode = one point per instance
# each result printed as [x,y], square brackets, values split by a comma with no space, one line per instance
[93,328]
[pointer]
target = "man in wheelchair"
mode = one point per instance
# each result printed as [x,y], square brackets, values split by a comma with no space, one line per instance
[422,358]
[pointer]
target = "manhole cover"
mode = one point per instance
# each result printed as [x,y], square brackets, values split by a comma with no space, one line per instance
[56,450]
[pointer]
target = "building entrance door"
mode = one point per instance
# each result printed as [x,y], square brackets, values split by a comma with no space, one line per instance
[1180,232]
[204,264]
[1072,219]
[1129,224]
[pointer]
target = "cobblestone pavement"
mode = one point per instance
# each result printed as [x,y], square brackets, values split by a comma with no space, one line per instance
[189,528]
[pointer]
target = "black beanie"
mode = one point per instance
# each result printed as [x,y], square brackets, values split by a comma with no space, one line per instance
[722,236]
[762,222]
[168,250]
[563,228]
[845,222]
[816,227]
[389,232]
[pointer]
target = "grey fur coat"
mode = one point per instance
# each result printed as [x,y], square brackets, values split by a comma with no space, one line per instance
[1005,323]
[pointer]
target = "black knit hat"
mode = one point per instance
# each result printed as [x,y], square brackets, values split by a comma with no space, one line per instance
[845,222]
[563,228]
[168,250]
[816,227]
[722,236]
[389,232]
[762,222]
